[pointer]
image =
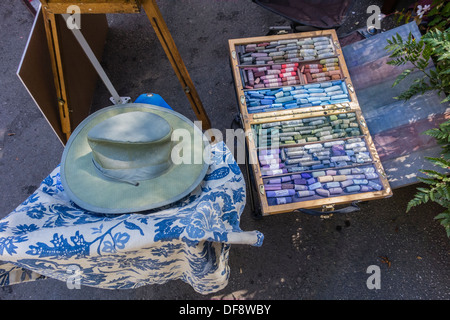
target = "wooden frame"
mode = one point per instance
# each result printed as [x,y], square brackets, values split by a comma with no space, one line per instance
[324,202]
[54,48]
[250,119]
[92,6]
[36,72]
[53,8]
[233,43]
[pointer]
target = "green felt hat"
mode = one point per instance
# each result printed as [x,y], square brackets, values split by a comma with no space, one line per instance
[122,159]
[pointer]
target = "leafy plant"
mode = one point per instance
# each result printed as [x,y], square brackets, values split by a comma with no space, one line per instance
[436,15]
[434,44]
[439,15]
[438,189]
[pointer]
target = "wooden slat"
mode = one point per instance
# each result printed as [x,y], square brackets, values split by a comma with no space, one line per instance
[52,32]
[92,6]
[40,73]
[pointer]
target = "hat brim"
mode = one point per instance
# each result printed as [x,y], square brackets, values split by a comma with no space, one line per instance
[92,192]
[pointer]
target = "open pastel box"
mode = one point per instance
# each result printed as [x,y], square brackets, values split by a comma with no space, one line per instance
[309,146]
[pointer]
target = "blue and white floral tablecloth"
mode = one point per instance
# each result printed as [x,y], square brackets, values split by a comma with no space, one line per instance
[49,236]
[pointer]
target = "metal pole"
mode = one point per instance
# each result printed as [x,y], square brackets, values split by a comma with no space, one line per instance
[91,56]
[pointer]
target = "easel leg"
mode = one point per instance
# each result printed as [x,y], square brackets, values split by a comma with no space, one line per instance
[58,75]
[154,15]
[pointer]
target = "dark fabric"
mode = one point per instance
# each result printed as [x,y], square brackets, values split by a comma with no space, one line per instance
[323,14]
[353,207]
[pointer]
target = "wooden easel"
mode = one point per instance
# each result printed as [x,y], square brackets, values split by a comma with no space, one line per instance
[51,8]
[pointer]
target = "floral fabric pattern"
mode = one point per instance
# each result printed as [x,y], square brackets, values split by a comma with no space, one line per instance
[48,236]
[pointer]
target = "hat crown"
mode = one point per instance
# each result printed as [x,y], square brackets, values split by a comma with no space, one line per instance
[131,127]
[131,147]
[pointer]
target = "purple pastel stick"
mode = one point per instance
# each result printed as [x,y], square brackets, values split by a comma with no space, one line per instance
[360,181]
[269,162]
[375,186]
[307,193]
[351,189]
[300,187]
[322,192]
[338,150]
[299,181]
[333,184]
[371,175]
[266,152]
[250,77]
[356,176]
[259,54]
[283,200]
[272,187]
[345,171]
[273,166]
[314,186]
[287,186]
[346,183]
[285,179]
[268,157]
[273,172]
[357,170]
[280,193]
[274,181]
[335,190]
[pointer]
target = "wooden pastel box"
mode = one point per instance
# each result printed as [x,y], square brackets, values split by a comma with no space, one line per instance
[308,143]
[303,81]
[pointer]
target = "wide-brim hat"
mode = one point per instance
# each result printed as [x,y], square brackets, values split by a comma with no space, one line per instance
[119,159]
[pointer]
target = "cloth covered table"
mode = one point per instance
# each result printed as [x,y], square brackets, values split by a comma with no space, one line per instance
[49,236]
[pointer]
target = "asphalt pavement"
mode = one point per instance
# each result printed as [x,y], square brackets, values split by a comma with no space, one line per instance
[302,257]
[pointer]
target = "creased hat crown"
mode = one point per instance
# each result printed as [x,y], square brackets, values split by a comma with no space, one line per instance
[131,147]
